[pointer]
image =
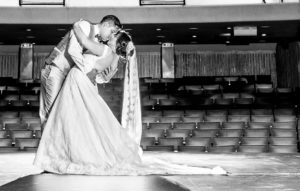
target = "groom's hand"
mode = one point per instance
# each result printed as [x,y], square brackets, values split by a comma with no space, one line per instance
[92,75]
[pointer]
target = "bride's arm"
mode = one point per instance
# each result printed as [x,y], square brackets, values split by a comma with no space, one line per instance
[95,47]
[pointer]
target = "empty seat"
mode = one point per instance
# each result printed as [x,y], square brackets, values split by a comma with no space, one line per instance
[170,120]
[198,141]
[147,141]
[9,114]
[29,98]
[233,125]
[221,112]
[254,141]
[184,126]
[30,120]
[284,125]
[5,142]
[167,102]
[239,118]
[285,118]
[156,133]
[175,142]
[20,134]
[259,125]
[150,119]
[11,97]
[24,143]
[15,126]
[204,133]
[160,148]
[173,113]
[283,141]
[239,112]
[247,95]
[18,103]
[284,111]
[283,133]
[183,133]
[192,119]
[164,126]
[283,149]
[231,95]
[185,148]
[230,133]
[252,148]
[29,114]
[262,118]
[194,113]
[256,133]
[243,101]
[215,118]
[224,101]
[225,141]
[222,149]
[151,113]
[4,134]
[149,102]
[208,125]
[261,112]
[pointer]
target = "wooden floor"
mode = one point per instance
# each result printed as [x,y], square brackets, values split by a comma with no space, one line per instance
[246,172]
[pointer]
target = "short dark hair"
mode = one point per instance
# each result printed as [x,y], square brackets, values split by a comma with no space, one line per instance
[112,19]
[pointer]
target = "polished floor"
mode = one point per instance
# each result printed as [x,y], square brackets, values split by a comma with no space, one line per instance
[246,172]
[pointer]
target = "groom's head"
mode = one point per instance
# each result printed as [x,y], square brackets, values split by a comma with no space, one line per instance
[110,24]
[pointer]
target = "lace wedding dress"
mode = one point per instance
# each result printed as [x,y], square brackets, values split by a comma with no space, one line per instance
[82,135]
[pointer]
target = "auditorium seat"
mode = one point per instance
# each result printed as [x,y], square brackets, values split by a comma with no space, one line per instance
[215,118]
[156,133]
[233,125]
[253,148]
[9,114]
[18,103]
[212,88]
[158,97]
[167,103]
[164,126]
[198,141]
[259,125]
[20,134]
[15,126]
[170,120]
[254,141]
[283,133]
[238,112]
[181,133]
[149,103]
[256,133]
[283,141]
[262,118]
[283,149]
[37,134]
[243,101]
[284,111]
[28,114]
[175,142]
[150,119]
[225,141]
[284,125]
[250,89]
[195,113]
[230,133]
[147,141]
[209,126]
[224,101]
[173,113]
[184,125]
[222,149]
[239,118]
[4,134]
[285,118]
[10,120]
[29,98]
[25,143]
[247,95]
[6,142]
[30,120]
[230,95]
[219,112]
[261,112]
[34,103]
[205,133]
[192,149]
[151,113]
[164,148]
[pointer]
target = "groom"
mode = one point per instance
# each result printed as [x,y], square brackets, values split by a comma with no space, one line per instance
[67,54]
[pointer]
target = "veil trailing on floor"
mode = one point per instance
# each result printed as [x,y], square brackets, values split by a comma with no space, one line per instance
[131,110]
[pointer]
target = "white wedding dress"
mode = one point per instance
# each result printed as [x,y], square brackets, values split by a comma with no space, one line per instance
[82,136]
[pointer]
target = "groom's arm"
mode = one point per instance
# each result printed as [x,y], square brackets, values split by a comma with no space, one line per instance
[74,48]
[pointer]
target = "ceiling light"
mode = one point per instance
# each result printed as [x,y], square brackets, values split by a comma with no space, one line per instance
[225,34]
[229,28]
[158,29]
[194,36]
[159,42]
[227,41]
[193,28]
[263,34]
[160,36]
[28,30]
[30,36]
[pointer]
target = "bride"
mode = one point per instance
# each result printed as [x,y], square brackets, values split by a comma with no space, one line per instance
[82,135]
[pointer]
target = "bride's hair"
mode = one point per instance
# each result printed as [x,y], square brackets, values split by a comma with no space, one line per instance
[123,38]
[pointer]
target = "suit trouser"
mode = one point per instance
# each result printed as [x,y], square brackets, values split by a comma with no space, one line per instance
[51,82]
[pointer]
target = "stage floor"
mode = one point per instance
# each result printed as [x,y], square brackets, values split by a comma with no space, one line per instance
[246,172]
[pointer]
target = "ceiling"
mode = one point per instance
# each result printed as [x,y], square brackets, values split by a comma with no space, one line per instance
[149,34]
